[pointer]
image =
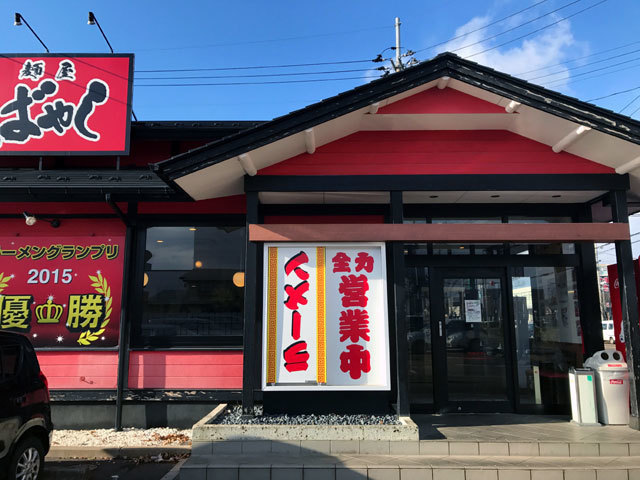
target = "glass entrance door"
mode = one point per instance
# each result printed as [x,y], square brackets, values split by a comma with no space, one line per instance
[471,345]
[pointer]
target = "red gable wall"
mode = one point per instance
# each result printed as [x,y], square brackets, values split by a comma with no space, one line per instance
[447,100]
[434,152]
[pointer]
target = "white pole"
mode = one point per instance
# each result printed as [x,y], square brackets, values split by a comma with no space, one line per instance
[398,63]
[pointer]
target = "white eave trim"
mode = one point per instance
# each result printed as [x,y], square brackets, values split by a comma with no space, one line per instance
[570,138]
[247,164]
[629,166]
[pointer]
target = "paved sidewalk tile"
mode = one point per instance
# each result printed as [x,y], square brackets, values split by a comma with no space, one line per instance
[448,474]
[614,449]
[484,474]
[524,449]
[584,450]
[494,448]
[430,447]
[514,474]
[463,448]
[352,473]
[424,473]
[547,475]
[611,475]
[579,475]
[554,449]
[383,473]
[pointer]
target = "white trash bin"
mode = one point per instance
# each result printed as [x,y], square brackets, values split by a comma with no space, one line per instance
[612,386]
[583,396]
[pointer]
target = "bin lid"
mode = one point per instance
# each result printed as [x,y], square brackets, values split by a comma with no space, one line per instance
[606,360]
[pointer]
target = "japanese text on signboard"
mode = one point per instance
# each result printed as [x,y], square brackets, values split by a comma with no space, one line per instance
[325,317]
[63,294]
[71,103]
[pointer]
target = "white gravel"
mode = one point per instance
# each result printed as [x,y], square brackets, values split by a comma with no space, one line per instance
[128,437]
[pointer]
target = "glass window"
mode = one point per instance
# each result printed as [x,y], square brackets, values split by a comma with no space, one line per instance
[193,286]
[419,335]
[548,333]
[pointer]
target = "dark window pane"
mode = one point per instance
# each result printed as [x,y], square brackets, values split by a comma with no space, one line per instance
[9,359]
[191,284]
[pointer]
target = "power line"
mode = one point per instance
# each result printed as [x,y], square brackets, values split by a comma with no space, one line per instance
[556,82]
[568,69]
[253,67]
[590,71]
[516,27]
[244,83]
[575,59]
[255,75]
[482,28]
[628,104]
[539,29]
[613,94]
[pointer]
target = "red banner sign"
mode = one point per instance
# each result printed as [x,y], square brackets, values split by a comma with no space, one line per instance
[74,104]
[62,291]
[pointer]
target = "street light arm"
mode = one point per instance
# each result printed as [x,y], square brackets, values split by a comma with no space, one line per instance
[20,18]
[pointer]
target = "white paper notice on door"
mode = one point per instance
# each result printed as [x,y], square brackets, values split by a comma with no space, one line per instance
[473,311]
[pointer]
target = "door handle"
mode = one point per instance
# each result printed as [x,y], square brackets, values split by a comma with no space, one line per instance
[440,328]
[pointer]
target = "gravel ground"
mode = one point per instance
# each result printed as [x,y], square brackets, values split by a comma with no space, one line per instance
[128,437]
[232,417]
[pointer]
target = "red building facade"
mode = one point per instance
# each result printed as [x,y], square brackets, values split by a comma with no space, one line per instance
[487,192]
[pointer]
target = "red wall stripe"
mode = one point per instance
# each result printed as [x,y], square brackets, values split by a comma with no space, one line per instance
[178,370]
[79,370]
[434,152]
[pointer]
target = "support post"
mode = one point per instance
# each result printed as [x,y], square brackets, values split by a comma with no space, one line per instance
[124,336]
[628,302]
[402,347]
[250,309]
[589,291]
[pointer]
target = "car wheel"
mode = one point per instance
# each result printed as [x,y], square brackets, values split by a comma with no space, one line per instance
[27,462]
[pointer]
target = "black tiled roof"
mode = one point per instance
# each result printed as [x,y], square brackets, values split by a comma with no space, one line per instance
[445,64]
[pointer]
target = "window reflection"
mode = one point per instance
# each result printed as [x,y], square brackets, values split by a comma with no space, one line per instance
[190,295]
[548,333]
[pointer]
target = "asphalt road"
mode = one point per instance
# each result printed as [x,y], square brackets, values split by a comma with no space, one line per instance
[105,470]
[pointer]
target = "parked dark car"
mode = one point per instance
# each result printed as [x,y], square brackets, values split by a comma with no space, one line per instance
[25,413]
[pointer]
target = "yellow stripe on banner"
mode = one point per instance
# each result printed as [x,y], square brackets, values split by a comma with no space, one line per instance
[272,315]
[321,317]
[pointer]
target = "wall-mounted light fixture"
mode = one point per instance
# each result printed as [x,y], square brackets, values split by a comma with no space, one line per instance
[31,220]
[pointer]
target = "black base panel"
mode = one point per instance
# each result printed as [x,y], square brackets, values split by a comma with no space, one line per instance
[378,403]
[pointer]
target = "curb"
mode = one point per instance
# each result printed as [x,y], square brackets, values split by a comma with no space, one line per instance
[61,452]
[174,472]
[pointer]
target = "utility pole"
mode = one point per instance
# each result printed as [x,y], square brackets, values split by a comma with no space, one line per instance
[397,66]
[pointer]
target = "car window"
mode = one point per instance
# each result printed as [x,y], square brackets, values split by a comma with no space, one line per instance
[9,360]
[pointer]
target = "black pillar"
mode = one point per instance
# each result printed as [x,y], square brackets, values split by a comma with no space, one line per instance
[402,346]
[628,302]
[589,291]
[129,263]
[250,309]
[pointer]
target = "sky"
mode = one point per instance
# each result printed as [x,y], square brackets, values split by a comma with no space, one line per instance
[594,53]
[187,35]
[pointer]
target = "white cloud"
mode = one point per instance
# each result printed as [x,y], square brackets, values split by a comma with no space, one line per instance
[549,47]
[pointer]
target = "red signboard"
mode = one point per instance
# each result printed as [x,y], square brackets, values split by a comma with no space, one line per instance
[63,290]
[72,104]
[616,308]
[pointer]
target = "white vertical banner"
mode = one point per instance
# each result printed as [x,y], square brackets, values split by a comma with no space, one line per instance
[325,317]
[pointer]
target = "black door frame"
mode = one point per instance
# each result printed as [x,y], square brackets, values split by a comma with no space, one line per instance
[442,404]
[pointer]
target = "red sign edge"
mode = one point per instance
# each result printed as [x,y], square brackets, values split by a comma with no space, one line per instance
[127,139]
